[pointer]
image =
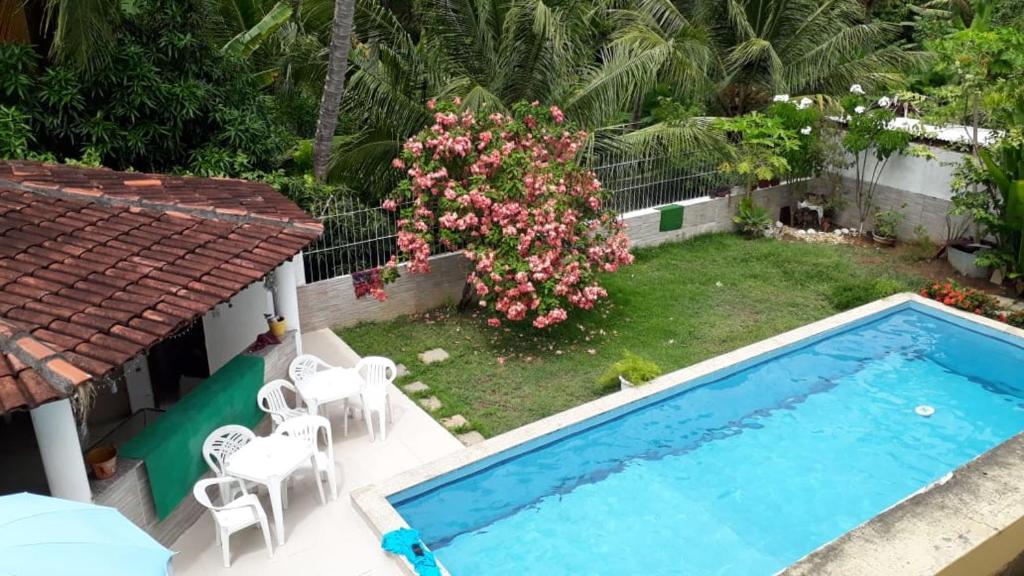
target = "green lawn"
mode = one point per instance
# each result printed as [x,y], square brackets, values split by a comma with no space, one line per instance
[678,304]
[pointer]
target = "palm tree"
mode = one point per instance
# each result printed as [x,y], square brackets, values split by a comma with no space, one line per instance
[490,54]
[334,85]
[748,50]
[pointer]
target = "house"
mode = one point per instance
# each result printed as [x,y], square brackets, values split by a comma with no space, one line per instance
[119,294]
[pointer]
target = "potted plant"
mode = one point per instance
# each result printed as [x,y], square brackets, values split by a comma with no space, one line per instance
[632,370]
[103,461]
[887,224]
[989,191]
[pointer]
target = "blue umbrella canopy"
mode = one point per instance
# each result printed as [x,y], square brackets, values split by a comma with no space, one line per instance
[41,536]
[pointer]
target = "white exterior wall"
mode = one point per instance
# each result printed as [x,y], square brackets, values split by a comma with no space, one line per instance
[930,178]
[232,326]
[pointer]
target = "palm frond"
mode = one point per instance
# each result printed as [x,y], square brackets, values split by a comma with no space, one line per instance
[247,41]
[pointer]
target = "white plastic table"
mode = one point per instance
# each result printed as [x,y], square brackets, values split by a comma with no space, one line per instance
[331,385]
[269,460]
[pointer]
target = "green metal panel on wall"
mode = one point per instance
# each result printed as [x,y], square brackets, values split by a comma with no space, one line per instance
[671,217]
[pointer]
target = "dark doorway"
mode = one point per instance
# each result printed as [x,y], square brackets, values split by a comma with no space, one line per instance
[182,355]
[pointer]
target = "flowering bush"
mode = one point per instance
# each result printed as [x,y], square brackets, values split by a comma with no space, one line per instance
[952,294]
[870,134]
[971,300]
[507,190]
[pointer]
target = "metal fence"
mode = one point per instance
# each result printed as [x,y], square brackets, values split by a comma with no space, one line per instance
[638,183]
[358,236]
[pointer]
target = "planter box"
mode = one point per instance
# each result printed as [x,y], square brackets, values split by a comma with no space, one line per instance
[963,261]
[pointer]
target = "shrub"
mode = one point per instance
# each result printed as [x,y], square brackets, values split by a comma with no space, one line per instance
[887,222]
[167,100]
[952,294]
[507,190]
[860,291]
[634,368]
[751,219]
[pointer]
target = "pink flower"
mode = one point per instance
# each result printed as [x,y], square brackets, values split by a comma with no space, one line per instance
[431,104]
[389,205]
[506,190]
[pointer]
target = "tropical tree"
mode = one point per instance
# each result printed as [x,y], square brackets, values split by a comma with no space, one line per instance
[334,85]
[490,54]
[166,100]
[749,50]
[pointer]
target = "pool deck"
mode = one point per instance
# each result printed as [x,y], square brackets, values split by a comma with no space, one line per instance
[333,539]
[924,534]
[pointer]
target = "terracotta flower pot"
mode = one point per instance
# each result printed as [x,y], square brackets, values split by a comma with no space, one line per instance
[103,461]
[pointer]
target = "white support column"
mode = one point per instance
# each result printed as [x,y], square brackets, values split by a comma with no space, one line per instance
[286,299]
[57,436]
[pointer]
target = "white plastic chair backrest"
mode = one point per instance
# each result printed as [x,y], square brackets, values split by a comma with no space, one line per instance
[222,443]
[271,399]
[377,373]
[305,366]
[308,428]
[201,494]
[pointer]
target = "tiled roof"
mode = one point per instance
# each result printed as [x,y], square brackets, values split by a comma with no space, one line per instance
[96,266]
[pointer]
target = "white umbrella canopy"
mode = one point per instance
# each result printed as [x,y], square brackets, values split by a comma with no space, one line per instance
[42,536]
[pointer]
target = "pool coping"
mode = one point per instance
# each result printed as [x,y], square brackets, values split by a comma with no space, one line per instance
[371,501]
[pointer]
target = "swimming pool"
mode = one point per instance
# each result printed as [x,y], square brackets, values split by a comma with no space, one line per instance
[743,470]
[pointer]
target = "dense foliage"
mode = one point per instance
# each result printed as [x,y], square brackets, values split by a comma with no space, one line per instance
[165,100]
[507,189]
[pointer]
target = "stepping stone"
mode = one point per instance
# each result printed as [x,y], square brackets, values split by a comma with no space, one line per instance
[455,422]
[470,438]
[402,370]
[435,355]
[432,403]
[416,387]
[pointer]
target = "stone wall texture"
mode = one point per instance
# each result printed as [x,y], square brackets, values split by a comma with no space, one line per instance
[922,210]
[332,303]
[701,216]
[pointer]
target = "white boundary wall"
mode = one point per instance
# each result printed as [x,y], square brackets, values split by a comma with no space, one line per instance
[332,303]
[923,185]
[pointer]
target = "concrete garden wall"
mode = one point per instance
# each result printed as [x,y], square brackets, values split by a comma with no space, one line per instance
[923,185]
[332,303]
[701,216]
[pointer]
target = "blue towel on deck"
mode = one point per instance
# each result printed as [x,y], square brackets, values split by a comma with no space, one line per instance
[401,541]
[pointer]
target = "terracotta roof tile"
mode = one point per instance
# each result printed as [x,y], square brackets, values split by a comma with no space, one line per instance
[96,266]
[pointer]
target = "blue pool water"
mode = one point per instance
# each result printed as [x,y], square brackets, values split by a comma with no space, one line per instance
[745,473]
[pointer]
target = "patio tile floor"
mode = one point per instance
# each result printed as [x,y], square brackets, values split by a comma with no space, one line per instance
[333,539]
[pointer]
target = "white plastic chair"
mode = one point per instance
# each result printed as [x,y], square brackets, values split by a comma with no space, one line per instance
[271,399]
[377,372]
[218,448]
[305,366]
[308,428]
[233,515]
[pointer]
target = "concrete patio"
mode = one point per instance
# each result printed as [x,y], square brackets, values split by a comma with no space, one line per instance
[333,539]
